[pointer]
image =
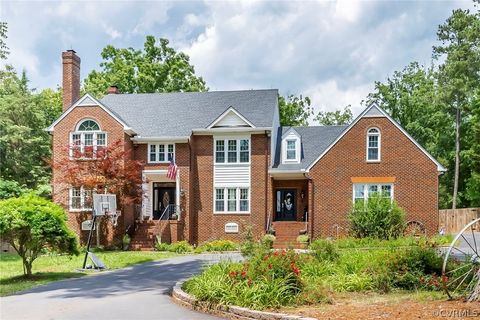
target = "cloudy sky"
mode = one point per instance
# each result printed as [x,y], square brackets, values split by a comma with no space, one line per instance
[330,51]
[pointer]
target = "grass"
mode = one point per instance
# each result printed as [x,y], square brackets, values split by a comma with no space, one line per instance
[52,267]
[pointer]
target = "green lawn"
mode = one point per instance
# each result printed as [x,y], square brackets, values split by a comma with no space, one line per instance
[50,268]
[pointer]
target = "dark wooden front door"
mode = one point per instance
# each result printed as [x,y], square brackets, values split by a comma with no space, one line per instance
[162,197]
[285,205]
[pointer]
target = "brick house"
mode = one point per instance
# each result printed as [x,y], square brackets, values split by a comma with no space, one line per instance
[237,166]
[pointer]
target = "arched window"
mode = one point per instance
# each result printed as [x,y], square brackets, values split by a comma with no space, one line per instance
[373,144]
[87,140]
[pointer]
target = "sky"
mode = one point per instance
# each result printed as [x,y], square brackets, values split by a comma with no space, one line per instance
[331,51]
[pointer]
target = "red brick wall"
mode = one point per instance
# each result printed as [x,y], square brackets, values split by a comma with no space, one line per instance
[61,140]
[204,224]
[416,177]
[71,78]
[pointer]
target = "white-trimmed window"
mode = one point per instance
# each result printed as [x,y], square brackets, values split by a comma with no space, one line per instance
[232,150]
[291,143]
[80,199]
[362,191]
[87,140]
[291,149]
[229,200]
[373,144]
[160,152]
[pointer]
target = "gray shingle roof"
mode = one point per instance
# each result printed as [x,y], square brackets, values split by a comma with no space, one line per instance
[315,140]
[176,114]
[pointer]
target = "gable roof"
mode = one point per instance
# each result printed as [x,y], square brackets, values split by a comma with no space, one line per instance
[177,114]
[375,111]
[230,117]
[314,140]
[89,101]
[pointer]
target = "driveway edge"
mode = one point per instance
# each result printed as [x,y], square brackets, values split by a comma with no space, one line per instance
[230,312]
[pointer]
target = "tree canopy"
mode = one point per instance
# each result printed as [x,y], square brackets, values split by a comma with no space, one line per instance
[156,68]
[294,111]
[31,224]
[335,118]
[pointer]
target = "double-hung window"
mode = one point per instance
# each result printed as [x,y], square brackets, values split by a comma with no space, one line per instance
[235,200]
[232,150]
[87,140]
[80,199]
[362,191]
[291,149]
[160,153]
[373,144]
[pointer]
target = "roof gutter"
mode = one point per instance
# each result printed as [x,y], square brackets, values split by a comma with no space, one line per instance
[178,139]
[231,130]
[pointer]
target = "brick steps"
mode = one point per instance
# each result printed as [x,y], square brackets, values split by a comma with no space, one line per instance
[144,238]
[286,233]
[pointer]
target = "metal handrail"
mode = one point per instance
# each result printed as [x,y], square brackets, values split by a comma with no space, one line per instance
[170,211]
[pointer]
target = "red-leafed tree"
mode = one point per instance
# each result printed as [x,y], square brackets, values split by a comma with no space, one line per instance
[107,169]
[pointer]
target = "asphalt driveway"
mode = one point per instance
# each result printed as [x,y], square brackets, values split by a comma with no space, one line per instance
[139,292]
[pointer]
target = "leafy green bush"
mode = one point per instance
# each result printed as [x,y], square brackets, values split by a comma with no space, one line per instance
[31,224]
[11,189]
[217,245]
[267,241]
[323,249]
[378,218]
[303,238]
[248,245]
[177,247]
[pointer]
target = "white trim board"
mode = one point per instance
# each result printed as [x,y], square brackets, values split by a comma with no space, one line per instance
[378,112]
[88,100]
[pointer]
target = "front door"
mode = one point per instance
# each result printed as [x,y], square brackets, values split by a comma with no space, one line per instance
[286,207]
[162,197]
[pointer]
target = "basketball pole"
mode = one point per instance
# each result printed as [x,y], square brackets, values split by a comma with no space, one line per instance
[89,239]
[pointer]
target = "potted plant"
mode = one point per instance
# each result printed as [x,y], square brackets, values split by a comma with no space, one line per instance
[126,241]
[304,240]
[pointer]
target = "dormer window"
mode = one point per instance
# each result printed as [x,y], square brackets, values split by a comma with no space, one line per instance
[291,146]
[291,150]
[373,145]
[87,140]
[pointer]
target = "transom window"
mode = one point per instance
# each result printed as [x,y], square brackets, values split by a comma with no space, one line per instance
[232,200]
[373,144]
[80,199]
[232,151]
[158,153]
[361,191]
[87,140]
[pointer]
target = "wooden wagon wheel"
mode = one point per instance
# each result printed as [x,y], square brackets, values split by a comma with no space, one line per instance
[415,228]
[461,265]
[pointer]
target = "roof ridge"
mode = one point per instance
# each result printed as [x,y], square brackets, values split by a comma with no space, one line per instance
[187,92]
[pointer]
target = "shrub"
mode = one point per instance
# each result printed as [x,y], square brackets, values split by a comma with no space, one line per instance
[11,189]
[32,224]
[217,245]
[247,247]
[378,218]
[303,238]
[177,247]
[324,250]
[162,246]
[267,241]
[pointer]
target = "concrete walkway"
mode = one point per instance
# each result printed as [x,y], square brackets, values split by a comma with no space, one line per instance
[139,292]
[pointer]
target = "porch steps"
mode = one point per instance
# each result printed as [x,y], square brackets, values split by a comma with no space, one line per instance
[144,238]
[286,233]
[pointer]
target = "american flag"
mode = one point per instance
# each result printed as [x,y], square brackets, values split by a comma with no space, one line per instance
[172,170]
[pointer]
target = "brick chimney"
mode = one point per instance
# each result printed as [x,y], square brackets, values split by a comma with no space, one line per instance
[113,90]
[71,78]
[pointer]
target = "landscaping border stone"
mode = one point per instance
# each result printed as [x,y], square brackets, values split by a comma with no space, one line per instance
[230,312]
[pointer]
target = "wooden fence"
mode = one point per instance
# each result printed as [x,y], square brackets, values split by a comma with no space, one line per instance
[453,220]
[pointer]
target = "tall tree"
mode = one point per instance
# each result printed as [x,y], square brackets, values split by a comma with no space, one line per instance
[459,75]
[294,111]
[156,68]
[24,144]
[335,118]
[3,36]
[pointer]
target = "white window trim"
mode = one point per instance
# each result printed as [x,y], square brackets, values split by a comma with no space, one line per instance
[297,150]
[82,200]
[225,150]
[379,134]
[82,140]
[366,187]
[225,200]
[157,152]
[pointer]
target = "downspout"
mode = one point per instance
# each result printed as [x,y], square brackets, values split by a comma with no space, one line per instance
[310,204]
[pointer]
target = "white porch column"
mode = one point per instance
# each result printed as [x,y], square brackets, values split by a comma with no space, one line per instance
[177,194]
